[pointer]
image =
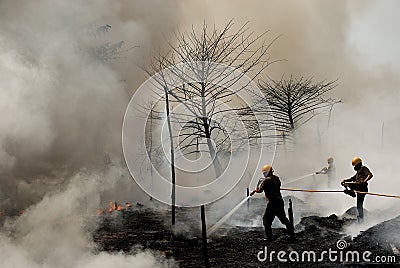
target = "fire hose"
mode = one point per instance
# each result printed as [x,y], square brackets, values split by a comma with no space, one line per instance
[223,219]
[329,191]
[337,191]
[346,191]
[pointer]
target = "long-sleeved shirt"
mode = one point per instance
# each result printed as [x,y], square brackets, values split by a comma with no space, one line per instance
[359,178]
[271,186]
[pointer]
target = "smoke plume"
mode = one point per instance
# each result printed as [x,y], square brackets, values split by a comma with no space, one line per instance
[62,108]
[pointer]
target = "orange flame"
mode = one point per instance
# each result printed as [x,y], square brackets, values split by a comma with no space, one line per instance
[112,207]
[100,211]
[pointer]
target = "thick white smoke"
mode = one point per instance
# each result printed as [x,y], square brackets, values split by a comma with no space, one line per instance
[61,114]
[56,232]
[344,40]
[61,109]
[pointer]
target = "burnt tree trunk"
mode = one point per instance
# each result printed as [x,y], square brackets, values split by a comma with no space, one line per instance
[248,200]
[172,156]
[150,151]
[217,168]
[290,212]
[211,150]
[207,133]
[204,236]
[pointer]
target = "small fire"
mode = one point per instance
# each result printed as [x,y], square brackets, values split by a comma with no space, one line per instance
[100,211]
[115,207]
[4,213]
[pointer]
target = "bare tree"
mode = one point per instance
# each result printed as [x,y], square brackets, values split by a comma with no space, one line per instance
[207,123]
[294,102]
[240,50]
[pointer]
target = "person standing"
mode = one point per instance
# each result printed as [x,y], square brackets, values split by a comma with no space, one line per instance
[330,171]
[359,183]
[271,184]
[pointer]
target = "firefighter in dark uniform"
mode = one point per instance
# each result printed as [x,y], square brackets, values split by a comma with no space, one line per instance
[359,182]
[271,184]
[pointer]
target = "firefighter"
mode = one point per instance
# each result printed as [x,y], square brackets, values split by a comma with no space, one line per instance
[330,170]
[271,184]
[359,182]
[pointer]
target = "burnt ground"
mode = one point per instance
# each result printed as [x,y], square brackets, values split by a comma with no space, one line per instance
[238,246]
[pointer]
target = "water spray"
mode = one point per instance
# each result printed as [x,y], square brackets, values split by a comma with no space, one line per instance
[230,213]
[227,216]
[299,178]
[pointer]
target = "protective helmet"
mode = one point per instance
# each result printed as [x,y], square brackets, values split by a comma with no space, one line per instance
[330,159]
[266,168]
[356,161]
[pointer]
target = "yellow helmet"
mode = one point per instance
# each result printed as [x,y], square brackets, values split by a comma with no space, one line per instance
[330,159]
[356,161]
[266,168]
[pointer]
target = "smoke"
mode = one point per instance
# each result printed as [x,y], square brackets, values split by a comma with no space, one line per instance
[56,232]
[56,102]
[343,40]
[62,109]
[60,128]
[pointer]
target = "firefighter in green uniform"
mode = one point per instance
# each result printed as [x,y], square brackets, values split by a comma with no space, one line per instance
[359,182]
[271,184]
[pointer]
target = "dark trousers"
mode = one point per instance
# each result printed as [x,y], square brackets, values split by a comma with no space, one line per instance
[360,202]
[276,208]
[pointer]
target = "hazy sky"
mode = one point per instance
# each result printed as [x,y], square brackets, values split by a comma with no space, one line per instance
[375,33]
